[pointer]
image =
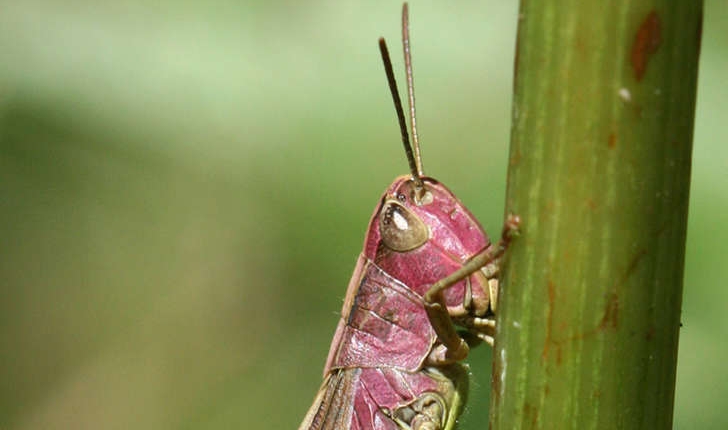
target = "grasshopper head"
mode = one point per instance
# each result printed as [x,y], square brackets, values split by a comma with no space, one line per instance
[420,240]
[421,232]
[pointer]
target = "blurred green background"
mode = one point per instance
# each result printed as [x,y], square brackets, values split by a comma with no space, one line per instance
[184,189]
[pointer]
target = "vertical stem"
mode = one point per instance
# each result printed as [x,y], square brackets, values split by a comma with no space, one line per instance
[601,144]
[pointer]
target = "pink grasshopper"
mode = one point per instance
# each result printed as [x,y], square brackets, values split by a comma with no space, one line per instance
[426,266]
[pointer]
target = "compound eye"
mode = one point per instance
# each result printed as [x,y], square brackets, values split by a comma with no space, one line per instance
[401,230]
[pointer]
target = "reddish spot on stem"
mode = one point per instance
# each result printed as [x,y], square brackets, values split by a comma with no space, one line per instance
[611,313]
[549,317]
[646,42]
[530,414]
[515,157]
[591,204]
[610,319]
[650,333]
[559,356]
[612,142]
[632,265]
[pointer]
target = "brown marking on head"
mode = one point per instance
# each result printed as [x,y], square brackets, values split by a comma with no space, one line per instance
[646,42]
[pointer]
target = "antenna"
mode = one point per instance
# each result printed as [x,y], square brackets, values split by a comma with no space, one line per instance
[411,87]
[419,186]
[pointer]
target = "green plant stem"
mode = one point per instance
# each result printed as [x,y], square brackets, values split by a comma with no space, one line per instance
[589,310]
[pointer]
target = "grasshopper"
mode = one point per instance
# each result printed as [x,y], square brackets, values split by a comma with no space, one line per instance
[427,266]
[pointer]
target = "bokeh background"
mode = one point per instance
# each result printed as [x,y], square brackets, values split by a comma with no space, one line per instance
[185,185]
